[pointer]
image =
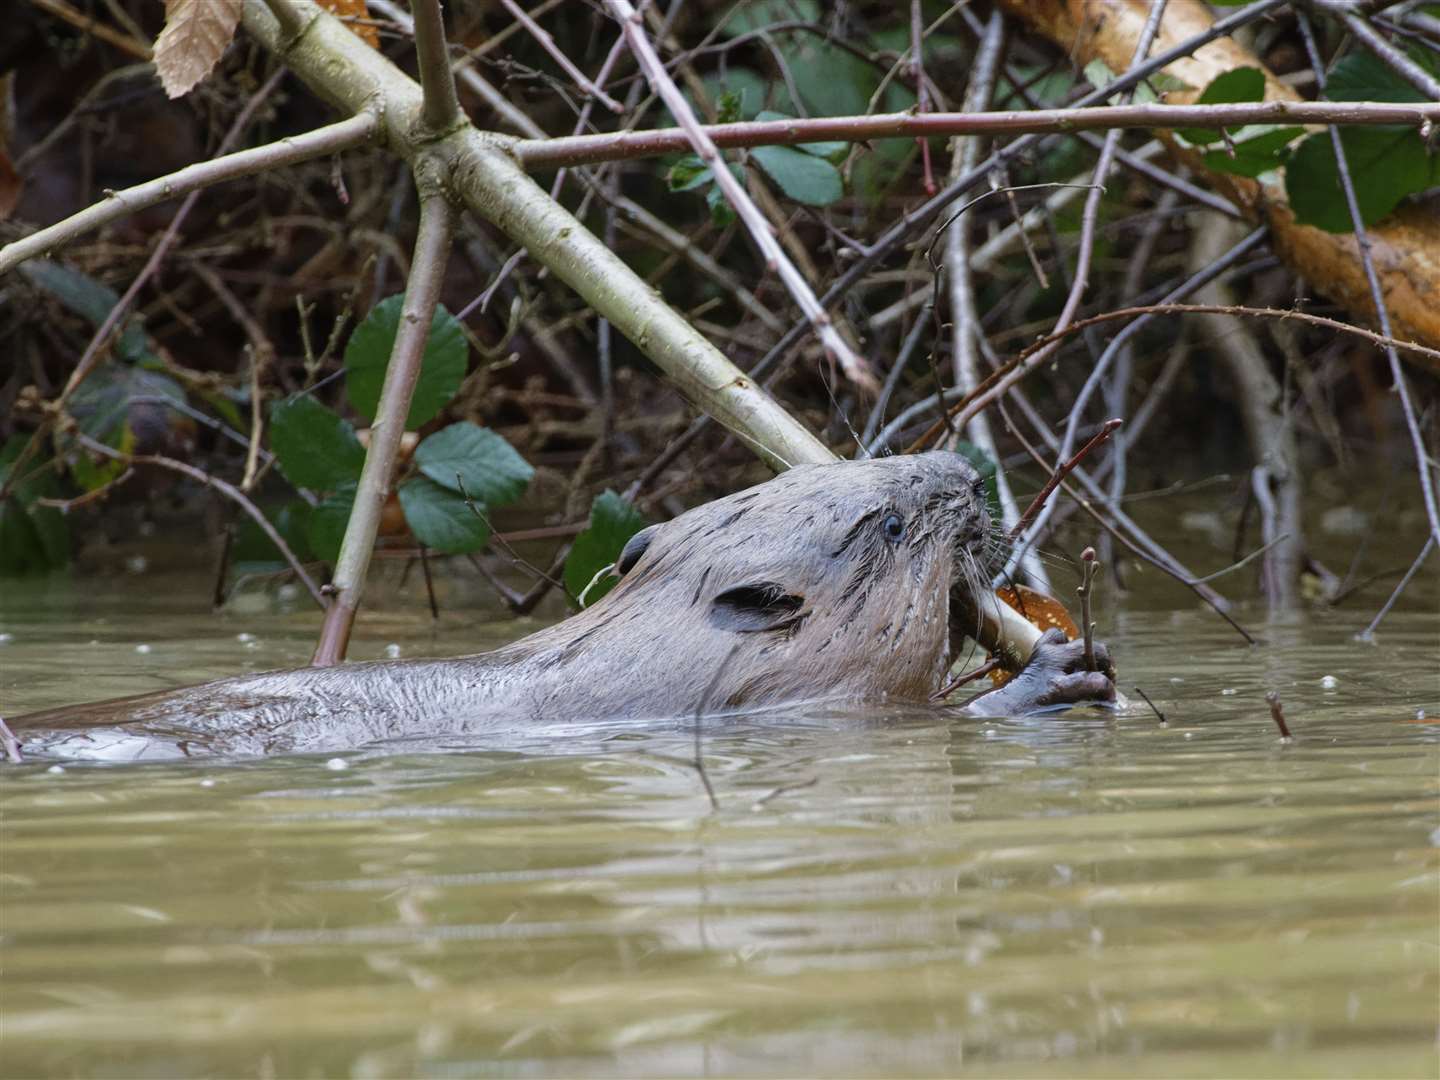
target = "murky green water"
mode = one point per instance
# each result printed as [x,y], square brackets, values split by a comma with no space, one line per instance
[1079,896]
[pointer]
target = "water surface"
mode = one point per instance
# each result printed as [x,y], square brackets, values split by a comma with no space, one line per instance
[897,894]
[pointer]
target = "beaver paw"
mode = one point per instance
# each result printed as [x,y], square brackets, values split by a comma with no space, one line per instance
[1055,675]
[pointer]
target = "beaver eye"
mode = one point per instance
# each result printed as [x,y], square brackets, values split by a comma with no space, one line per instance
[893,526]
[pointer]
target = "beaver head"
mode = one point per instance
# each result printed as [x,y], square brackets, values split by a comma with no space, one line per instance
[826,581]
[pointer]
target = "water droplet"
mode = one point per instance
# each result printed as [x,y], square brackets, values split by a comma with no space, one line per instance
[207,782]
[142,648]
[56,769]
[5,639]
[337,764]
[1329,682]
[244,638]
[392,650]
[1229,691]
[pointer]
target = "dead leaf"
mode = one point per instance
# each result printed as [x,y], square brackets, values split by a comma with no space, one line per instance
[196,35]
[351,10]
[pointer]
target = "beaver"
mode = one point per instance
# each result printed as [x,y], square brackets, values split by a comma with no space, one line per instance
[844,582]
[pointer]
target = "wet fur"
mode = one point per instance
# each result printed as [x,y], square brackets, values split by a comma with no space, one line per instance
[791,590]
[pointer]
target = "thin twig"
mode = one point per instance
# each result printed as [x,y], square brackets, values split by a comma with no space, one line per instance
[1369,632]
[229,490]
[655,142]
[969,677]
[432,54]
[541,35]
[118,204]
[1273,700]
[1153,708]
[1059,474]
[696,139]
[1088,565]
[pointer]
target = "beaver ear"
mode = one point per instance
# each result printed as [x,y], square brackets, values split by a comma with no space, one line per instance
[759,605]
[634,548]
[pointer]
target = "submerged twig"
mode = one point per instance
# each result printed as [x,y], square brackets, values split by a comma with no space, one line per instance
[969,677]
[1153,707]
[1273,700]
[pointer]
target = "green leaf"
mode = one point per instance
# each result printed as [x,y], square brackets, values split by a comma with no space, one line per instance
[730,106]
[803,177]
[104,401]
[1361,76]
[688,173]
[316,448]
[326,522]
[833,149]
[1386,164]
[489,468]
[367,355]
[721,212]
[1254,156]
[87,298]
[1240,85]
[613,521]
[94,472]
[440,519]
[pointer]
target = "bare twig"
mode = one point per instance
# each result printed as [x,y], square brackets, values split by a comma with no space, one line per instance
[437,83]
[1059,474]
[95,28]
[697,139]
[427,270]
[969,677]
[1088,565]
[541,35]
[118,204]
[1273,700]
[1152,705]
[230,491]
[625,145]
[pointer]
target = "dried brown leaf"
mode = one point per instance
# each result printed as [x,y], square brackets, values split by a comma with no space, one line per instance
[195,37]
[351,10]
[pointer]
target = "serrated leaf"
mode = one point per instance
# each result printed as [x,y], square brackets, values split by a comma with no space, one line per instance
[613,521]
[831,149]
[325,524]
[196,35]
[440,519]
[490,470]
[367,355]
[1386,164]
[1254,156]
[1233,87]
[87,298]
[316,449]
[803,177]
[1361,76]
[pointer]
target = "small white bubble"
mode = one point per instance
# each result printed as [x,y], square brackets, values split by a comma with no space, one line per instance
[337,764]
[1329,682]
[244,638]
[5,639]
[207,782]
[1176,679]
[392,650]
[136,564]
[1189,734]
[142,648]
[1419,714]
[1435,837]
[56,769]
[1229,691]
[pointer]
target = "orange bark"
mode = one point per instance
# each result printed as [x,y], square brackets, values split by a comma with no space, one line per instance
[1405,245]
